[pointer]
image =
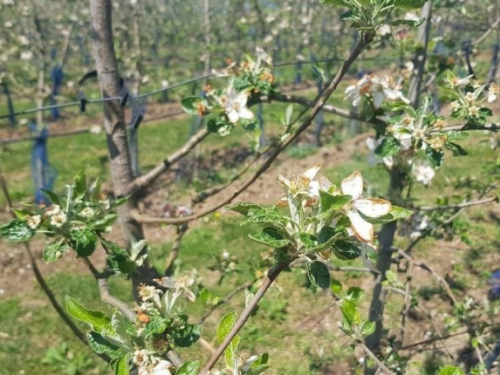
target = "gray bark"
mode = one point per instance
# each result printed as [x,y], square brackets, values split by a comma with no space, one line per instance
[421,55]
[114,122]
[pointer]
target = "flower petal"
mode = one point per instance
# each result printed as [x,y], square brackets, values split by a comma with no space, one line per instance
[246,113]
[363,230]
[233,116]
[373,207]
[311,172]
[353,185]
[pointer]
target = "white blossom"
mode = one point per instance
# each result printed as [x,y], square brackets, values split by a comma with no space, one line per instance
[423,173]
[493,92]
[234,103]
[95,129]
[149,293]
[384,30]
[34,221]
[54,209]
[57,220]
[369,207]
[87,212]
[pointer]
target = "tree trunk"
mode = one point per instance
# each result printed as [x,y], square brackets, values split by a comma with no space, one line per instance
[421,54]
[388,231]
[114,122]
[492,74]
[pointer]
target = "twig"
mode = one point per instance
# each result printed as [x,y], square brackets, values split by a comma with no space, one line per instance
[460,205]
[375,359]
[319,104]
[245,314]
[146,180]
[225,300]
[174,251]
[485,35]
[41,281]
[105,291]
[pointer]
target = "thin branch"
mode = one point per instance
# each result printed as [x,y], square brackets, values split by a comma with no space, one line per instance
[147,179]
[319,104]
[242,319]
[174,251]
[488,32]
[460,205]
[105,291]
[41,281]
[225,300]
[379,363]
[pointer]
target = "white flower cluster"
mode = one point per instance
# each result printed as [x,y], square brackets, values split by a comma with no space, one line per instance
[149,364]
[370,86]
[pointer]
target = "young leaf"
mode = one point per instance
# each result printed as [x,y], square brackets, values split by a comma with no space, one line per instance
[368,328]
[457,150]
[388,147]
[83,241]
[336,286]
[318,274]
[409,4]
[451,370]
[100,345]
[192,105]
[225,326]
[105,222]
[80,187]
[355,294]
[52,196]
[16,230]
[187,335]
[259,365]
[120,366]
[331,202]
[157,325]
[270,237]
[350,313]
[189,368]
[346,250]
[97,320]
[242,208]
[54,251]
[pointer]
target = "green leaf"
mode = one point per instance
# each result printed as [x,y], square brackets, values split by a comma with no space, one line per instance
[346,250]
[259,365]
[242,208]
[456,149]
[223,330]
[331,202]
[266,216]
[368,328]
[396,213]
[355,294]
[409,4]
[434,157]
[100,345]
[270,237]
[119,201]
[192,104]
[105,222]
[120,366]
[336,286]
[350,312]
[388,147]
[319,274]
[52,196]
[156,326]
[118,259]
[54,251]
[186,335]
[189,368]
[225,326]
[97,320]
[16,230]
[80,187]
[451,370]
[83,241]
